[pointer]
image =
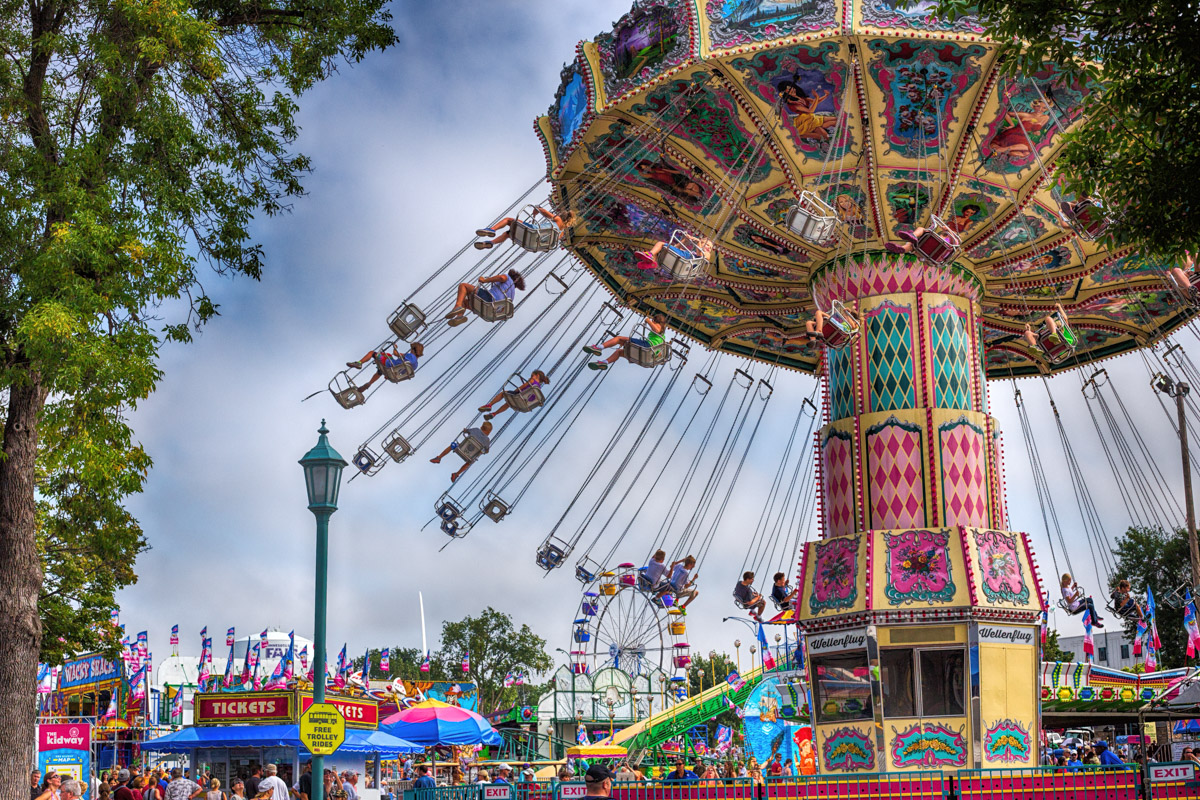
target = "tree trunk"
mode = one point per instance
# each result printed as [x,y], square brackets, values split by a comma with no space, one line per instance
[21,579]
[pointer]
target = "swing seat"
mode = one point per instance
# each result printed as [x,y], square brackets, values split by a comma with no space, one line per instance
[1086,218]
[469,448]
[812,219]
[1057,346]
[450,527]
[367,461]
[550,556]
[526,400]
[782,606]
[396,369]
[345,392]
[841,326]
[646,355]
[406,321]
[495,508]
[681,263]
[938,243]
[448,510]
[535,233]
[643,583]
[397,447]
[490,310]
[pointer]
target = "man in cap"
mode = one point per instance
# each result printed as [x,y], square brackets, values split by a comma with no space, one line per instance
[503,773]
[599,780]
[1107,757]
[272,782]
[527,773]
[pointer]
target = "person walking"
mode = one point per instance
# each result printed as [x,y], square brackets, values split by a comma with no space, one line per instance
[180,788]
[598,780]
[214,791]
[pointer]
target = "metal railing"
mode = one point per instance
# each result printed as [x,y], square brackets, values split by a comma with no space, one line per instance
[1175,780]
[1049,783]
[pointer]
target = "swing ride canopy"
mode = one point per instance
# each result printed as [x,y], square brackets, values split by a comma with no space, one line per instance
[433,722]
[713,116]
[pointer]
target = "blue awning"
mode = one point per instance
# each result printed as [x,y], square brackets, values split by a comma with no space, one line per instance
[357,741]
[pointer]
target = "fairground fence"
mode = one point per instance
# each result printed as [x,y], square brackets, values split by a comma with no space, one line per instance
[1168,781]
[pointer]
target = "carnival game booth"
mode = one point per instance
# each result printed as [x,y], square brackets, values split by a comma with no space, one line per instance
[235,731]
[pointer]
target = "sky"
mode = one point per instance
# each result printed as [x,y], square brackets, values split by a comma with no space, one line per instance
[412,150]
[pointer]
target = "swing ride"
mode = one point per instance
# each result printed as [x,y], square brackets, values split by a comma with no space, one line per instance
[853,190]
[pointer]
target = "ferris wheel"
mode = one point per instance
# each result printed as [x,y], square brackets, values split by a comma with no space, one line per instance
[623,625]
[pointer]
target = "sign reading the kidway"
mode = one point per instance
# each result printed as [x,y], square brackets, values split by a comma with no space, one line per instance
[322,729]
[225,708]
[66,749]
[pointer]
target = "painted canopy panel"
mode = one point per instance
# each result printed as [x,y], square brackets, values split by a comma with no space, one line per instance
[714,116]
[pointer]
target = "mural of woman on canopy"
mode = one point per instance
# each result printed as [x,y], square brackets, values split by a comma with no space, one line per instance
[1029,115]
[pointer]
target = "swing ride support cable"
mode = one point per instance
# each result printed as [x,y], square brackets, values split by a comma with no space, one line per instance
[716,523]
[1181,391]
[1043,494]
[643,393]
[679,496]
[685,537]
[616,475]
[758,544]
[804,466]
[691,533]
[1141,490]
[1126,493]
[637,476]
[1160,479]
[1092,526]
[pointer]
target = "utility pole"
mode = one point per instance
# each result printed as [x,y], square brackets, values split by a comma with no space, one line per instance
[1179,390]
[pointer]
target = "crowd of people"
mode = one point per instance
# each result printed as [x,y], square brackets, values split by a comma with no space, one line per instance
[156,783]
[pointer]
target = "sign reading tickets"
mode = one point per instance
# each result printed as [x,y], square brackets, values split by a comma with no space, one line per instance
[66,749]
[322,729]
[272,708]
[359,713]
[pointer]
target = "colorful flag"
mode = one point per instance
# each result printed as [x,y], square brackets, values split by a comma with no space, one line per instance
[204,632]
[278,680]
[111,711]
[425,663]
[143,642]
[290,671]
[177,706]
[768,660]
[366,670]
[385,662]
[1142,630]
[262,638]
[735,680]
[519,678]
[1089,645]
[115,616]
[174,636]
[304,658]
[466,664]
[208,648]
[1189,622]
[227,682]
[581,735]
[1151,618]
[508,679]
[1045,625]
[229,638]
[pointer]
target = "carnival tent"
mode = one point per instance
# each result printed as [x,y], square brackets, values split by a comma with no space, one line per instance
[357,741]
[433,722]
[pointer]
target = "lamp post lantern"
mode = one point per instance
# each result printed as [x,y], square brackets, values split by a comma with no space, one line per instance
[323,479]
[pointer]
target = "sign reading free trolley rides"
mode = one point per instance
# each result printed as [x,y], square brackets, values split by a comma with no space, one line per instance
[322,729]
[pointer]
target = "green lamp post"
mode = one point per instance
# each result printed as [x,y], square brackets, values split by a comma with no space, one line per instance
[323,478]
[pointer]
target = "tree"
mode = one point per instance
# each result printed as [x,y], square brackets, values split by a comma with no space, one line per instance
[1154,558]
[715,670]
[1136,146]
[496,649]
[138,140]
[1051,651]
[405,663]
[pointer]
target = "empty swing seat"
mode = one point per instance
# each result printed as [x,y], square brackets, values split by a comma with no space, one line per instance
[494,508]
[527,399]
[397,447]
[367,461]
[812,219]
[469,448]
[550,557]
[345,392]
[406,321]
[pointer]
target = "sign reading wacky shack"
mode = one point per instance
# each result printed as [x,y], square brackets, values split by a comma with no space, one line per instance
[87,671]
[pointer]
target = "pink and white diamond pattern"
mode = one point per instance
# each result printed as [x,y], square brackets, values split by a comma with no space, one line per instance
[897,478]
[839,484]
[964,475]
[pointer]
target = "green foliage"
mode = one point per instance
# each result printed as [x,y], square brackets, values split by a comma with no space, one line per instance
[1152,557]
[1051,651]
[1137,147]
[138,140]
[405,663]
[496,648]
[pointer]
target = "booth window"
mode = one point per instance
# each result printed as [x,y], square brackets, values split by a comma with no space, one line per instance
[843,686]
[923,682]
